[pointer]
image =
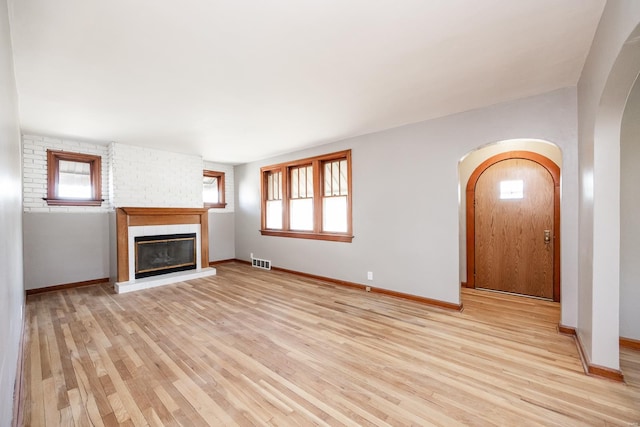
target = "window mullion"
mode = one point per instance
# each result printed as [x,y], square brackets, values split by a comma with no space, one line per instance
[93,179]
[96,174]
[332,192]
[339,178]
[301,194]
[265,195]
[221,190]
[56,178]
[317,196]
[285,196]
[349,194]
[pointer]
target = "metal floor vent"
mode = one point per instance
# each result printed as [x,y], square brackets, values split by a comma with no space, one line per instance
[265,264]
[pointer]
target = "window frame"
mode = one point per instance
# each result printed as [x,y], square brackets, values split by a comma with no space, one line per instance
[53,175]
[221,187]
[317,163]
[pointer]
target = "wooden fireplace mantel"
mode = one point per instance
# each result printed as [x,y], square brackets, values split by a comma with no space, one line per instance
[131,216]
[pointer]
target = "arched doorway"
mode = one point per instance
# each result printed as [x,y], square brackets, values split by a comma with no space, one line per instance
[598,330]
[630,221]
[527,251]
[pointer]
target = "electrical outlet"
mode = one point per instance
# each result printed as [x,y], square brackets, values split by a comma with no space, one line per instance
[369,275]
[251,255]
[368,288]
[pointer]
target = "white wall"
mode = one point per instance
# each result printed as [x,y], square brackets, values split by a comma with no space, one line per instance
[409,240]
[222,221]
[11,287]
[604,85]
[630,218]
[144,177]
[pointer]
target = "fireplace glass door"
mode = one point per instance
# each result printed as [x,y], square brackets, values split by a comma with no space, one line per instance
[155,255]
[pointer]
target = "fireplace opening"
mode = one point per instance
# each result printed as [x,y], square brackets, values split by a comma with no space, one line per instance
[162,254]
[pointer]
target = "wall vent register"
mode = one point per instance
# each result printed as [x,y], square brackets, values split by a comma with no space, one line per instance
[264,264]
[162,254]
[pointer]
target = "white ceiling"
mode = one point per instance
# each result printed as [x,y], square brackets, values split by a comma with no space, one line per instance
[239,80]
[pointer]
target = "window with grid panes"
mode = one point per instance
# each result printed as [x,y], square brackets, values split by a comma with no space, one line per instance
[273,202]
[308,198]
[334,196]
[301,199]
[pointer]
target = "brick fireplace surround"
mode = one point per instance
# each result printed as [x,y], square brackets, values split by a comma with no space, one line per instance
[128,217]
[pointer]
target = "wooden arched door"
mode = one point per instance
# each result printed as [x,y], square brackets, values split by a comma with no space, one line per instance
[513,234]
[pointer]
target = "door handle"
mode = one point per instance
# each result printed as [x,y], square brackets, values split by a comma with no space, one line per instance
[547,237]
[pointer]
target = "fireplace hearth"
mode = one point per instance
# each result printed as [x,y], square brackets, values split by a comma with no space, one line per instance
[162,254]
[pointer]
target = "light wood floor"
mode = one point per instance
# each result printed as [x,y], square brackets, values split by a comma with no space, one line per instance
[250,347]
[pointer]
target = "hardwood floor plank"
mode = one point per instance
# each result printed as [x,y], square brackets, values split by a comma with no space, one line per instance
[35,414]
[88,365]
[78,410]
[81,400]
[51,413]
[250,347]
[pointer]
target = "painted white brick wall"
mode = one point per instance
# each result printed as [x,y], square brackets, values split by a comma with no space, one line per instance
[34,172]
[229,194]
[145,177]
[131,176]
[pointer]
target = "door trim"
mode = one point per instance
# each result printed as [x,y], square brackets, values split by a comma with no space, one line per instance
[554,171]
